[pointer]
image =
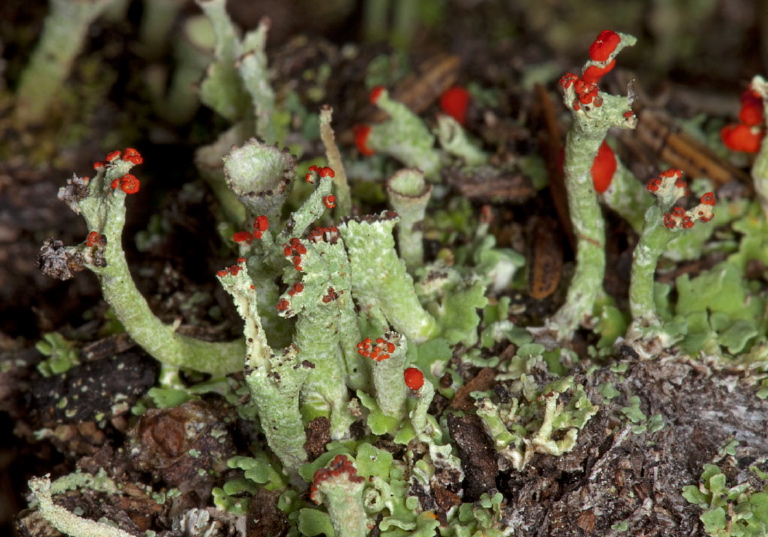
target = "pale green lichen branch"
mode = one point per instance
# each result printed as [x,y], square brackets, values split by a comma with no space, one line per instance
[627,196]
[495,425]
[311,210]
[409,194]
[455,140]
[381,285]
[340,489]
[65,521]
[403,136]
[103,208]
[662,223]
[64,32]
[594,113]
[388,370]
[157,23]
[274,380]
[222,89]
[252,66]
[178,101]
[418,415]
[321,302]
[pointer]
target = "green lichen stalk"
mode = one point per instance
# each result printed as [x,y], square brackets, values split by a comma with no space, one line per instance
[382,287]
[322,304]
[627,197]
[222,90]
[455,140]
[418,416]
[408,195]
[274,379]
[252,66]
[260,176]
[65,521]
[594,112]
[157,22]
[236,86]
[662,223]
[64,33]
[387,355]
[101,201]
[193,51]
[340,489]
[403,136]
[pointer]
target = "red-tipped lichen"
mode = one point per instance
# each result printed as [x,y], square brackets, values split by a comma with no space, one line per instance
[603,168]
[604,45]
[341,467]
[455,102]
[414,378]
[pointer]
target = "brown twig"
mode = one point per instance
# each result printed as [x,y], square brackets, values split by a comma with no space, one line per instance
[551,144]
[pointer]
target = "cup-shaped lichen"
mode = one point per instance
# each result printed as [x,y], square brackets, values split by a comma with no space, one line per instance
[260,175]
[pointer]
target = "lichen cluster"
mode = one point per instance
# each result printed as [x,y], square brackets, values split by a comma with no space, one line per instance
[351,326]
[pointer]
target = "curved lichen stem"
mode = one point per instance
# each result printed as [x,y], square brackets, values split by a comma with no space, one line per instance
[589,229]
[594,113]
[384,288]
[409,195]
[104,211]
[65,521]
[651,245]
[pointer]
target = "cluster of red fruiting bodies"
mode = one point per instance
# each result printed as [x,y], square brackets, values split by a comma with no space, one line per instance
[679,216]
[96,239]
[380,351]
[283,304]
[294,249]
[585,86]
[339,465]
[127,183]
[746,135]
[233,270]
[129,155]
[260,225]
[324,171]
